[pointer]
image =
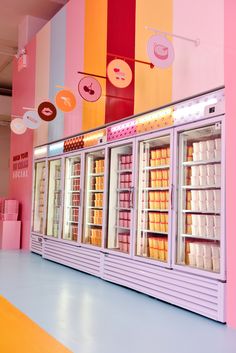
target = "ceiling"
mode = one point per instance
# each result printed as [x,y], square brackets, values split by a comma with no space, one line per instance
[11,14]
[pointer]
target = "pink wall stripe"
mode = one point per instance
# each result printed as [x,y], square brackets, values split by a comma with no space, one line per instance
[75,13]
[230,88]
[23,96]
[42,79]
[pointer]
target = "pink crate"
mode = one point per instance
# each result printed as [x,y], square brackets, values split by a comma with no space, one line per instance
[11,206]
[9,216]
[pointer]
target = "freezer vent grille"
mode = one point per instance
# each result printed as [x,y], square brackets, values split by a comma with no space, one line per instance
[200,295]
[85,260]
[36,244]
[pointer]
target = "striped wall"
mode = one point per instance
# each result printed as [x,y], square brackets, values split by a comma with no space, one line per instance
[82,36]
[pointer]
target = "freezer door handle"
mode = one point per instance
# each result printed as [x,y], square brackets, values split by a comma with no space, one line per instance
[131,197]
[80,193]
[172,196]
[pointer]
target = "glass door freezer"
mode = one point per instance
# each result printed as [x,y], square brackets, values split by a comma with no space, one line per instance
[154,206]
[121,197]
[72,198]
[93,199]
[54,197]
[200,203]
[39,201]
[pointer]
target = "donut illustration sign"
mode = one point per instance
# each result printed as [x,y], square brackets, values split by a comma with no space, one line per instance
[160,51]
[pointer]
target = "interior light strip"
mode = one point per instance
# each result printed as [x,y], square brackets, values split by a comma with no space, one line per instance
[40,151]
[56,146]
[94,136]
[155,115]
[123,126]
[193,109]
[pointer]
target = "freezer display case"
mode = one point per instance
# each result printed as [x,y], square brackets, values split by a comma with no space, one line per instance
[72,198]
[54,198]
[199,230]
[121,202]
[154,190]
[93,198]
[39,197]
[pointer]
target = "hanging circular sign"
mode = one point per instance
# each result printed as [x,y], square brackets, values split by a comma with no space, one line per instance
[119,73]
[65,101]
[47,111]
[160,51]
[31,119]
[18,126]
[90,89]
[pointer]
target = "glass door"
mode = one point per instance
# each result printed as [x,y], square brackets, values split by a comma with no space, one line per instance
[54,198]
[120,210]
[154,209]
[199,199]
[39,197]
[72,198]
[93,198]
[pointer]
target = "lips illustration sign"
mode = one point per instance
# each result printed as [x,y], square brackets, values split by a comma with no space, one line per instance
[160,51]
[47,111]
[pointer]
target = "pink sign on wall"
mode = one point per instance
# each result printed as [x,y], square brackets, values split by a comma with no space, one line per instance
[119,73]
[90,89]
[160,51]
[20,164]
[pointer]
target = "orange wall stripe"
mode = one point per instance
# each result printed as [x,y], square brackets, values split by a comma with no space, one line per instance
[153,87]
[95,48]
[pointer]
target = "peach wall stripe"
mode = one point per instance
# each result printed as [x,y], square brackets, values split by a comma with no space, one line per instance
[75,11]
[153,87]
[42,78]
[95,58]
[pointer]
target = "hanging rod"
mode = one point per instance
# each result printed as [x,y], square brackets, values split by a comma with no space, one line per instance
[195,41]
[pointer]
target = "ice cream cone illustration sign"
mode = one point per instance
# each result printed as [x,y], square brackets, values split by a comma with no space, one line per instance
[65,101]
[119,73]
[160,51]
[90,89]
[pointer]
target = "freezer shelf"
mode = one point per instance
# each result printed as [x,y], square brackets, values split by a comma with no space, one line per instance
[39,197]
[120,198]
[153,198]
[93,198]
[199,202]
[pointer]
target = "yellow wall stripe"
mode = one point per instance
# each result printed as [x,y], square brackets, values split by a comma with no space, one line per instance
[95,58]
[153,87]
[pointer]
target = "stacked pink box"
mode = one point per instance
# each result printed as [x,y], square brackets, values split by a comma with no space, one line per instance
[124,242]
[9,210]
[124,219]
[126,161]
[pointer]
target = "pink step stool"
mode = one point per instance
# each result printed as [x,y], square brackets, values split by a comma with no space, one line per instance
[10,235]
